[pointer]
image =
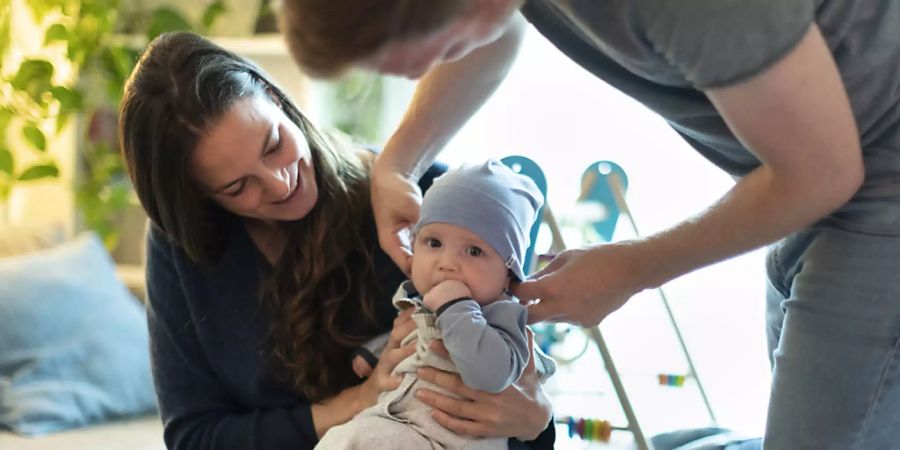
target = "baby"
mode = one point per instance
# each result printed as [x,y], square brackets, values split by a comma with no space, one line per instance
[469,244]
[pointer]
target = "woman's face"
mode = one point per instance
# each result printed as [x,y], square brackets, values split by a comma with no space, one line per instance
[255,162]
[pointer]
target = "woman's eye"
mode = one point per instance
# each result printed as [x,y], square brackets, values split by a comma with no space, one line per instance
[237,191]
[433,243]
[474,251]
[275,148]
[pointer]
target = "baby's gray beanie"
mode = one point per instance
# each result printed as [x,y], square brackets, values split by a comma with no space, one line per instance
[490,200]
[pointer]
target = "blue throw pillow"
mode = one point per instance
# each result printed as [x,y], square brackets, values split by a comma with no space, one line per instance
[73,341]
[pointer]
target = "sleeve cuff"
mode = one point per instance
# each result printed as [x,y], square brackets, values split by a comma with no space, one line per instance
[367,355]
[447,305]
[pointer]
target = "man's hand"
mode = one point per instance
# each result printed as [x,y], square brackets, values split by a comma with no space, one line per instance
[581,286]
[395,203]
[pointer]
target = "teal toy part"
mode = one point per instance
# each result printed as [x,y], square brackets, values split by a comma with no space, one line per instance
[529,168]
[596,188]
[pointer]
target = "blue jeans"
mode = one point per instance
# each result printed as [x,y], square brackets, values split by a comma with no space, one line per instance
[833,323]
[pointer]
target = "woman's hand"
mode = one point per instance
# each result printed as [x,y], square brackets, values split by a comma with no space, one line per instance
[349,402]
[522,410]
[395,203]
[381,379]
[583,286]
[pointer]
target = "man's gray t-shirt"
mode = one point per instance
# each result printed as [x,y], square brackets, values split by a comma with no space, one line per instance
[664,53]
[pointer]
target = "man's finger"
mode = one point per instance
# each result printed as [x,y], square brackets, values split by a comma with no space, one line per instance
[393,246]
[411,210]
[527,290]
[542,311]
[555,264]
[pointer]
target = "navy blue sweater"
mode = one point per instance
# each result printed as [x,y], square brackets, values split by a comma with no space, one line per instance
[208,332]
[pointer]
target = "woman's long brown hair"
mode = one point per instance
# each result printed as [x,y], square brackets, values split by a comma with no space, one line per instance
[323,281]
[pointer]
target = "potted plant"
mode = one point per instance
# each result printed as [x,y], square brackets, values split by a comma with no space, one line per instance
[38,103]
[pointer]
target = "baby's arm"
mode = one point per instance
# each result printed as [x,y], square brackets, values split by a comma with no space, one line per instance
[489,345]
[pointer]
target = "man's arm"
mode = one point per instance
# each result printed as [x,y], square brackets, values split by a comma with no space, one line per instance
[444,100]
[796,118]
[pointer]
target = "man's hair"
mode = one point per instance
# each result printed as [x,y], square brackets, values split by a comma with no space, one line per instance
[326,37]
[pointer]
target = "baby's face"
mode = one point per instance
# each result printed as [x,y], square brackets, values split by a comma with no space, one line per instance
[447,252]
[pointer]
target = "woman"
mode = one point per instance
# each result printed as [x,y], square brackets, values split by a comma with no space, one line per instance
[791,97]
[263,269]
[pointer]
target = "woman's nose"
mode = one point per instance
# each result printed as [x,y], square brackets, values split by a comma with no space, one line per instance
[278,184]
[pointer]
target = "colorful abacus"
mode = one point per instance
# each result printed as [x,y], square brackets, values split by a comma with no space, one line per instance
[671,380]
[589,429]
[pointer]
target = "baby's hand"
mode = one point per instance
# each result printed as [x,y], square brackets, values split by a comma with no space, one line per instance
[444,292]
[361,367]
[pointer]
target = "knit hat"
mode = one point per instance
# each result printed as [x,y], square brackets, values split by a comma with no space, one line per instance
[490,200]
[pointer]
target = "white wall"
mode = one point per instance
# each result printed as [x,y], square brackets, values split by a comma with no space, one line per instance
[554,112]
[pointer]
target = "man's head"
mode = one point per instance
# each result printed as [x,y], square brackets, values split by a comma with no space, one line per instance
[474,227]
[400,37]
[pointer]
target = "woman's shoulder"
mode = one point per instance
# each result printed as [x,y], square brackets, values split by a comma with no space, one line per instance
[161,245]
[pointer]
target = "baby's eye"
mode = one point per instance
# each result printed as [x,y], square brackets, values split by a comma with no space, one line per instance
[474,251]
[433,243]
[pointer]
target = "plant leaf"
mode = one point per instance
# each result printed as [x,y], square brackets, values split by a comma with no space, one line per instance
[5,190]
[70,100]
[6,161]
[4,32]
[212,13]
[35,136]
[165,20]
[56,32]
[39,9]
[34,77]
[61,121]
[5,117]
[39,171]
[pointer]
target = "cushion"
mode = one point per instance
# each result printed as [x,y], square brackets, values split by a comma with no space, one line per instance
[16,240]
[73,341]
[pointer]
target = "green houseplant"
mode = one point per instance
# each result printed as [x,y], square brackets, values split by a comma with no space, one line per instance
[30,98]
[35,98]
